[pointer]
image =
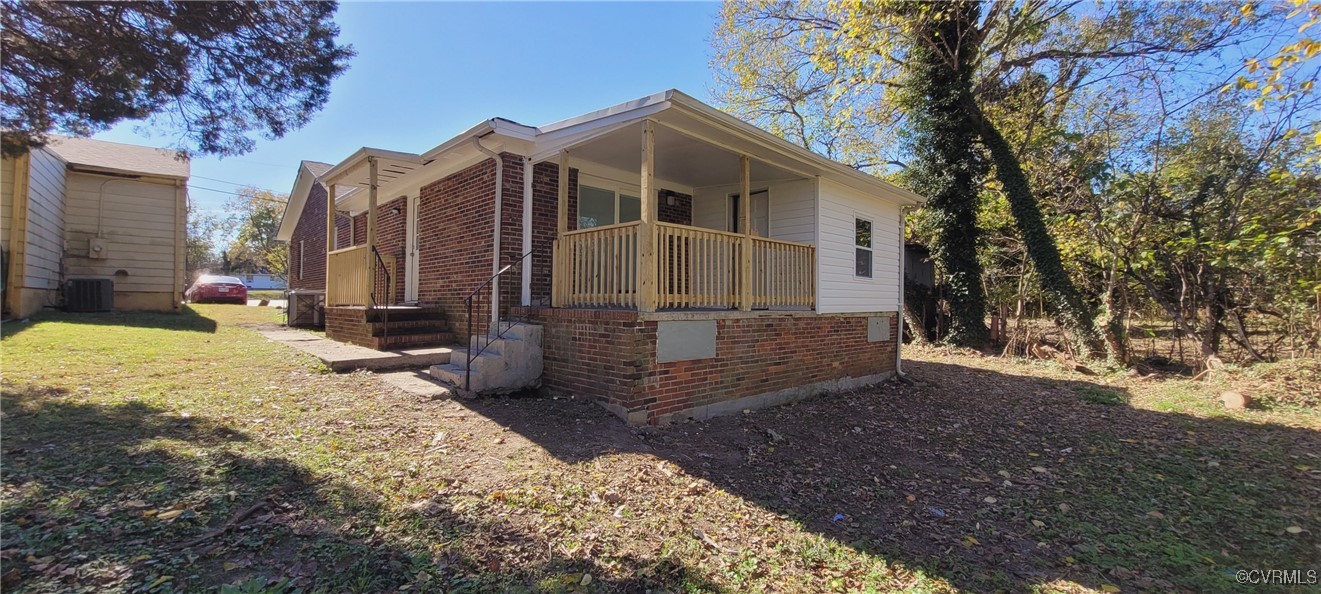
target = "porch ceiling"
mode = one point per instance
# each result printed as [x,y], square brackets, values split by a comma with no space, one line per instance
[352,177]
[680,158]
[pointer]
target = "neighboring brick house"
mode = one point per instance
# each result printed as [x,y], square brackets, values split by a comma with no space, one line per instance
[690,264]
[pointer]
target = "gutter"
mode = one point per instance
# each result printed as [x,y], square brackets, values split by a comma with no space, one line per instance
[903,281]
[495,240]
[527,229]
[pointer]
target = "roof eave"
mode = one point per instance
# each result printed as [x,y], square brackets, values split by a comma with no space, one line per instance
[294,206]
[360,155]
[714,116]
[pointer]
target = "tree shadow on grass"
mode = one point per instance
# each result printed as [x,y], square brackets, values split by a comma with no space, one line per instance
[134,497]
[994,481]
[187,320]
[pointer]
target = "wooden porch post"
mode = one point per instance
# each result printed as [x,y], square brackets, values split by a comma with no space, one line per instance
[745,223]
[646,230]
[371,204]
[559,264]
[330,244]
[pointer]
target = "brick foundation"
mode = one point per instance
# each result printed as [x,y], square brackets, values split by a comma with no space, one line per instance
[762,358]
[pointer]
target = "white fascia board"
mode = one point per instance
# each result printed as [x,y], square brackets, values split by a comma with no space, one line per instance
[548,149]
[359,157]
[480,129]
[550,144]
[293,209]
[609,112]
[843,173]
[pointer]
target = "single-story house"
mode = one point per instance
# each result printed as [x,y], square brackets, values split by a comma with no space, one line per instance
[91,225]
[659,256]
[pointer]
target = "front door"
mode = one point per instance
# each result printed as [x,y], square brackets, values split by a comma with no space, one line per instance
[411,251]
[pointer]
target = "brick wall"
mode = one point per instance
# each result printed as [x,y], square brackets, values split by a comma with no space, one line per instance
[454,230]
[343,230]
[360,229]
[391,239]
[592,353]
[307,244]
[348,325]
[679,213]
[757,356]
[610,355]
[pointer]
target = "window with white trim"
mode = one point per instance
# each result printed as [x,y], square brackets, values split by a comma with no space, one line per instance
[602,203]
[862,248]
[300,259]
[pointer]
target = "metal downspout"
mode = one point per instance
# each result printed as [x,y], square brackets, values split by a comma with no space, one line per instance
[495,240]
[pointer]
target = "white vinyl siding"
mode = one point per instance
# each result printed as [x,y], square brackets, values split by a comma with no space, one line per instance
[45,229]
[792,208]
[139,222]
[840,289]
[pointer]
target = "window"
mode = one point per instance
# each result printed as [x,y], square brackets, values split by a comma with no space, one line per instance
[300,260]
[862,251]
[604,204]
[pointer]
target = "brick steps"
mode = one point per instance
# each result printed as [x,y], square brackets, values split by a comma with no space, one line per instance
[408,327]
[399,341]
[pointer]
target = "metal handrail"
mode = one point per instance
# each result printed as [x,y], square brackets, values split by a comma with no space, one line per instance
[389,290]
[475,296]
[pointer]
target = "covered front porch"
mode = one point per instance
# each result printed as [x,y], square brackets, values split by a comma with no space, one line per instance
[737,233]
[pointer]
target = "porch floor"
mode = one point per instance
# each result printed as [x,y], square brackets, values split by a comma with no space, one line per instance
[343,357]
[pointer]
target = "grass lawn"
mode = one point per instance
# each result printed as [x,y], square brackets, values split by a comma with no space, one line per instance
[186,453]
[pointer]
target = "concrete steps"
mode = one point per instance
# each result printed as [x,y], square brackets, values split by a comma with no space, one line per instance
[507,364]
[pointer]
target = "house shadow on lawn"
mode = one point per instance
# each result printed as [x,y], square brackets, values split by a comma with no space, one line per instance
[187,320]
[993,481]
[135,497]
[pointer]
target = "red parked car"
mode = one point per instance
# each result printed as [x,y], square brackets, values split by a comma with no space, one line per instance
[221,289]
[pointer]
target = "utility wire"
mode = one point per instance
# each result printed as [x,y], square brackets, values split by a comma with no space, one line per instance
[249,196]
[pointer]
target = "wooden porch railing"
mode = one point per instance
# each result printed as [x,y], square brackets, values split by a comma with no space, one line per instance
[597,267]
[695,268]
[783,273]
[349,276]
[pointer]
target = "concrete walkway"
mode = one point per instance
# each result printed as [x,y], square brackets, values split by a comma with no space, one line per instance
[341,357]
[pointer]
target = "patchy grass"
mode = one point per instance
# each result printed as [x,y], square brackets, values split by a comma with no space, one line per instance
[186,453]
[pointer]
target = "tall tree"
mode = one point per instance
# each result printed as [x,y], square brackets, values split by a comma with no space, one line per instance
[200,254]
[946,164]
[1063,44]
[256,215]
[212,72]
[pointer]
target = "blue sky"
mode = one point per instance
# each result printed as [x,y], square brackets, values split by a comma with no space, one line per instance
[426,71]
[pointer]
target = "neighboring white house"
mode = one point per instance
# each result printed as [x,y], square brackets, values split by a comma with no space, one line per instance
[262,281]
[88,209]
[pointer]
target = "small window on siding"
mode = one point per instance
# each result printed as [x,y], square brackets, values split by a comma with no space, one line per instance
[300,260]
[862,248]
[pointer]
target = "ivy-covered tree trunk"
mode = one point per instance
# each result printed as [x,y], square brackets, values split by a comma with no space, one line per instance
[1072,313]
[947,166]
